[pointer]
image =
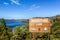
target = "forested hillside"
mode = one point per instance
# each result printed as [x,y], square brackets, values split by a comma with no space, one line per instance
[22,32]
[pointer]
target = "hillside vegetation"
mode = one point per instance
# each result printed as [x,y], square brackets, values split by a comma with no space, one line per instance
[22,32]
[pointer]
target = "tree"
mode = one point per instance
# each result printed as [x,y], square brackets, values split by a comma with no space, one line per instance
[4,35]
[55,28]
[18,32]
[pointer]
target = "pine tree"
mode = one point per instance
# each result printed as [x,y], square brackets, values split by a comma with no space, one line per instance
[4,31]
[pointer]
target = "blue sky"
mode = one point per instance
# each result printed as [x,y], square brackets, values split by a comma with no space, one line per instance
[24,9]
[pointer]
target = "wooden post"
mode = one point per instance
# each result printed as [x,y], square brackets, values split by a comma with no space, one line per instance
[48,36]
[30,36]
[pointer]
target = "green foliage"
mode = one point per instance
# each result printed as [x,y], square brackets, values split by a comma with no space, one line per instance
[16,30]
[4,31]
[33,39]
[23,32]
[55,28]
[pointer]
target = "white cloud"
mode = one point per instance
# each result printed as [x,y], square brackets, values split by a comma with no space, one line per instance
[15,2]
[5,3]
[34,6]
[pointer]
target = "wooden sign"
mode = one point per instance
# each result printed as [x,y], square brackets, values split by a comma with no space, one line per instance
[39,25]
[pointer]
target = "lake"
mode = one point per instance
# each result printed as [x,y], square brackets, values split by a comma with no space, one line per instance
[13,24]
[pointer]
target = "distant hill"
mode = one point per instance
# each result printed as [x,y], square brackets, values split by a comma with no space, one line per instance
[18,20]
[53,19]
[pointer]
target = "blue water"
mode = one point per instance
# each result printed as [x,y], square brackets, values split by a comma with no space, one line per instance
[14,24]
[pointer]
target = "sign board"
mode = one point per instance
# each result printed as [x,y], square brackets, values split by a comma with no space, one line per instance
[39,25]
